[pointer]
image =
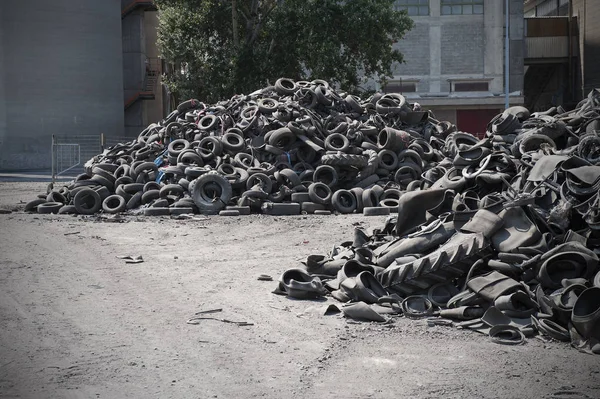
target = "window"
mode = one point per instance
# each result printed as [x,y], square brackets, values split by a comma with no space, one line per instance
[462,7]
[400,87]
[414,7]
[471,86]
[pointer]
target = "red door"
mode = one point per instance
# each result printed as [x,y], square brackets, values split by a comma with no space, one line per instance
[474,121]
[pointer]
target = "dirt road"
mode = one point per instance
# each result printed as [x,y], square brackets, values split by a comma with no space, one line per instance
[76,322]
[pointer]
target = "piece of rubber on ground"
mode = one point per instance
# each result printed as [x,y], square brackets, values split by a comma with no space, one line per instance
[280,209]
[157,212]
[375,211]
[343,201]
[242,210]
[31,206]
[114,204]
[160,203]
[507,335]
[49,207]
[320,193]
[229,212]
[176,211]
[87,202]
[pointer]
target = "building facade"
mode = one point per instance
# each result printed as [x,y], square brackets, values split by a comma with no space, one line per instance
[454,59]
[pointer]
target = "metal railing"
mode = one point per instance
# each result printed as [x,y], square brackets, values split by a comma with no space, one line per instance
[70,153]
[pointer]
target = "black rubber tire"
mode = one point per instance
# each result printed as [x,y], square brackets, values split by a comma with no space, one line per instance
[87,202]
[289,178]
[280,209]
[341,159]
[49,207]
[114,204]
[150,196]
[343,201]
[160,203]
[229,212]
[358,192]
[176,147]
[311,207]
[337,142]
[242,210]
[390,203]
[300,197]
[282,138]
[326,174]
[265,182]
[103,181]
[322,212]
[133,188]
[233,142]
[320,193]
[55,196]
[67,210]
[211,192]
[369,198]
[151,185]
[171,189]
[175,211]
[157,212]
[388,160]
[134,201]
[376,211]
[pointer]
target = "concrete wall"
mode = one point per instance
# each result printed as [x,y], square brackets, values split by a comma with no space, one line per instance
[61,72]
[445,47]
[153,109]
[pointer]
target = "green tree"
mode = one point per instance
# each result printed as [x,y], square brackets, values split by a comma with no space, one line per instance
[226,47]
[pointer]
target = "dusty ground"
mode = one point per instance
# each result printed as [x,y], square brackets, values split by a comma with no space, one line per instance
[76,322]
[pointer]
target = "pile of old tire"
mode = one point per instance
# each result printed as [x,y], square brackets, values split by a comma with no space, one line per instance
[291,148]
[501,236]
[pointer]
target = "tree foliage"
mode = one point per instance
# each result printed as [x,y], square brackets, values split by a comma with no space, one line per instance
[226,47]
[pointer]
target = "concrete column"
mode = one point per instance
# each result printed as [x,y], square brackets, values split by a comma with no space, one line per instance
[435,47]
[493,54]
[517,45]
[3,123]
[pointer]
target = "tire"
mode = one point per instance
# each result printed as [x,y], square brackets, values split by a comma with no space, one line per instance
[392,139]
[175,211]
[233,142]
[265,182]
[171,189]
[369,198]
[358,192]
[157,212]
[211,192]
[87,202]
[337,142]
[160,203]
[341,159]
[343,201]
[390,203]
[326,174]
[55,196]
[311,207]
[134,201]
[282,138]
[376,211]
[49,207]
[176,147]
[67,210]
[320,193]
[367,181]
[103,181]
[229,212]
[289,178]
[150,196]
[300,197]
[388,160]
[242,210]
[133,188]
[114,204]
[281,209]
[322,212]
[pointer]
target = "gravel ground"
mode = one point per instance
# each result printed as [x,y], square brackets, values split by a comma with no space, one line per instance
[77,322]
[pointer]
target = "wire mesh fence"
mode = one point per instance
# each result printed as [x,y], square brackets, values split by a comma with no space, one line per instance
[70,153]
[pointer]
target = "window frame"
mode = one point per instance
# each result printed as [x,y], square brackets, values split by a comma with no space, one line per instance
[402,83]
[419,4]
[453,83]
[451,4]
